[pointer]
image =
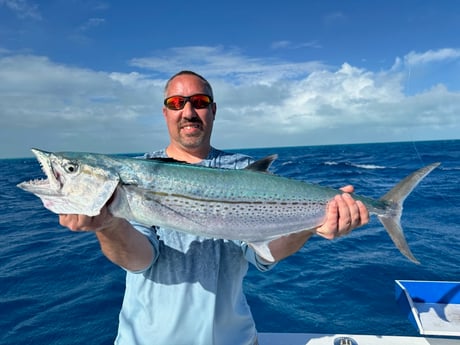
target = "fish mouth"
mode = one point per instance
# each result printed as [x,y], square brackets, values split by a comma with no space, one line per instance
[49,186]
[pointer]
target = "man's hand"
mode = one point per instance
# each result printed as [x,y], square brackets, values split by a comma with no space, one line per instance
[343,215]
[79,222]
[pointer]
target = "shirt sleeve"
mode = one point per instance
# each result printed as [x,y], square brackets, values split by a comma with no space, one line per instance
[254,259]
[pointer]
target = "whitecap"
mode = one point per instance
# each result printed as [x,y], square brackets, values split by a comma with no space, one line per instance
[368,166]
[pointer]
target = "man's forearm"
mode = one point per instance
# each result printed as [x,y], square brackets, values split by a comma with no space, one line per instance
[125,246]
[288,245]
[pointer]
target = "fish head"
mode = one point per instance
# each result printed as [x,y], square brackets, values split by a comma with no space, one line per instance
[76,183]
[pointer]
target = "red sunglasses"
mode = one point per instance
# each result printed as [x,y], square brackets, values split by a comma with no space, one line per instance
[199,101]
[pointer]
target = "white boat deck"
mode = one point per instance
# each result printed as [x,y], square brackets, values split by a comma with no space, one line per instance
[349,339]
[437,318]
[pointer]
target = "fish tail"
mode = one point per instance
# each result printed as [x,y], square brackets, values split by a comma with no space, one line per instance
[395,197]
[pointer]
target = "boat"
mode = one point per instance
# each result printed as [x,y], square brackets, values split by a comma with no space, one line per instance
[433,307]
[349,339]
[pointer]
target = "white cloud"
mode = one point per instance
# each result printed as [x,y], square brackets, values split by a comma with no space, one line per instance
[334,18]
[217,62]
[430,56]
[44,104]
[22,8]
[261,102]
[91,23]
[345,105]
[291,45]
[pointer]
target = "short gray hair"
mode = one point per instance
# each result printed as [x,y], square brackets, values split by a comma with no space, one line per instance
[186,72]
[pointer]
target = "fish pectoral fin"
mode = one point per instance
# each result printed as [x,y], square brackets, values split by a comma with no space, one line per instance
[263,251]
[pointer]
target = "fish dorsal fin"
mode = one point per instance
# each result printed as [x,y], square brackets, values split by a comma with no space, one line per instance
[166,160]
[263,164]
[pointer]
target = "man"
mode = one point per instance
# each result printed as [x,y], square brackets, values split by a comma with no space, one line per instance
[186,289]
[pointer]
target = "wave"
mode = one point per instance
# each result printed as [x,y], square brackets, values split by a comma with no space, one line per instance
[449,168]
[369,166]
[356,165]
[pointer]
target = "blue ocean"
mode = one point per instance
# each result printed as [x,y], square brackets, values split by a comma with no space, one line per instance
[57,288]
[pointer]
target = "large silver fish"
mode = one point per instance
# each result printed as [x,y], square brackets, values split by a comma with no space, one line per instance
[251,204]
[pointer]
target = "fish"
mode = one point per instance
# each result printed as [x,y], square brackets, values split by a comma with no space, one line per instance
[251,205]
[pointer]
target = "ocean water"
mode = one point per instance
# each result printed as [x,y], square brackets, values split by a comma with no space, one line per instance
[57,288]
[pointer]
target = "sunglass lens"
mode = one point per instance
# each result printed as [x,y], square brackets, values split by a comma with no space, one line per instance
[175,103]
[200,101]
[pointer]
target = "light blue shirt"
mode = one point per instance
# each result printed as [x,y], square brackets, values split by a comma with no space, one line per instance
[192,293]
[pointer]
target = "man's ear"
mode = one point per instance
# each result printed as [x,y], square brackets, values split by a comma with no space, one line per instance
[214,109]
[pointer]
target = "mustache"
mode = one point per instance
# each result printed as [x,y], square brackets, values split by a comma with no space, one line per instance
[190,121]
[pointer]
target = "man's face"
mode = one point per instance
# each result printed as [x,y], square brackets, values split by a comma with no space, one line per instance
[189,128]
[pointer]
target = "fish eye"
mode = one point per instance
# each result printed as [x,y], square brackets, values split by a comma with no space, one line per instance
[71,167]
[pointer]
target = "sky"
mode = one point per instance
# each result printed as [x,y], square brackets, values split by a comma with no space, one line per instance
[89,75]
